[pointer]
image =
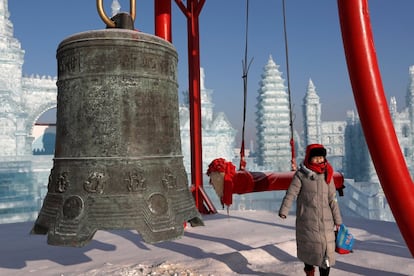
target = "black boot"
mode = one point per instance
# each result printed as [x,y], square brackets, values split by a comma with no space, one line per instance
[324,271]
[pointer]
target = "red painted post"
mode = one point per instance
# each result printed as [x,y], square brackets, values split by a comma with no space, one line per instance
[195,99]
[162,15]
[374,114]
[192,12]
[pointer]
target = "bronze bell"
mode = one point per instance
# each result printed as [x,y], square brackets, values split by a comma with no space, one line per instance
[118,161]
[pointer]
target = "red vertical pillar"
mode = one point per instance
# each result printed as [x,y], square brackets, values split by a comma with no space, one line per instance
[162,11]
[192,12]
[374,114]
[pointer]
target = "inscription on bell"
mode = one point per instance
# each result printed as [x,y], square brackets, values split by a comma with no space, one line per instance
[124,61]
[70,64]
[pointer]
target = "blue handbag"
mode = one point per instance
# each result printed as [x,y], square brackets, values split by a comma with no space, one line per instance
[344,240]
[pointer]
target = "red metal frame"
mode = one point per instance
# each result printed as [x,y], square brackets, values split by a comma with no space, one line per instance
[162,15]
[163,29]
[374,114]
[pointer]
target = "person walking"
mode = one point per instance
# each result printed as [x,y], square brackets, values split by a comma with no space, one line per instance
[317,210]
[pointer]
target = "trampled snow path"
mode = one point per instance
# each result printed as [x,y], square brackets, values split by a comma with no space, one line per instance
[244,243]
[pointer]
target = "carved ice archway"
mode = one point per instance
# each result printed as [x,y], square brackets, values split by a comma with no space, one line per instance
[36,114]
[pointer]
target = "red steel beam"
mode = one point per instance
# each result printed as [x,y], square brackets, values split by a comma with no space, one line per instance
[192,12]
[374,114]
[162,15]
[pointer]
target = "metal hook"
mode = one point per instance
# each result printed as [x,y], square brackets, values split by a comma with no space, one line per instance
[106,19]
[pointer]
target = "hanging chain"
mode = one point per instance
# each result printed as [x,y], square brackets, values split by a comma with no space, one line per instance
[107,20]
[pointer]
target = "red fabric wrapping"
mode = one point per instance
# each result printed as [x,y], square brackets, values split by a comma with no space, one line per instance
[221,165]
[217,165]
[227,198]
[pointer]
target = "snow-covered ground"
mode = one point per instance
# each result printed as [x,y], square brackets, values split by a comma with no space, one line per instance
[243,243]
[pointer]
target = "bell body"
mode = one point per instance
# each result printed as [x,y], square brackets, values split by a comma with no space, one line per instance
[118,161]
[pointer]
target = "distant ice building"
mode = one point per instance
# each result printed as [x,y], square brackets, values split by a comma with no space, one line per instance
[404,122]
[22,101]
[218,135]
[348,151]
[312,110]
[273,120]
[366,195]
[329,133]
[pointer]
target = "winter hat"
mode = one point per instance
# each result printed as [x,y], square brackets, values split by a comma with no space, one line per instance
[316,150]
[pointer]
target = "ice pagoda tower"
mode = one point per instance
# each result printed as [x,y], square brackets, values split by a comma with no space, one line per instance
[312,116]
[272,118]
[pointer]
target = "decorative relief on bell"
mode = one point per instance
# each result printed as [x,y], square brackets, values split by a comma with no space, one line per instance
[136,181]
[62,182]
[158,204]
[72,207]
[169,179]
[95,183]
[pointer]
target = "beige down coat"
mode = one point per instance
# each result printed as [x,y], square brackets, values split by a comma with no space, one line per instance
[317,213]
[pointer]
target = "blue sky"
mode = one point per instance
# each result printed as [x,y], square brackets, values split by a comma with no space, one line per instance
[315,46]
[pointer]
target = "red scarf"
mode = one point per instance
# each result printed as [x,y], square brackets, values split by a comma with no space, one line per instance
[324,168]
[320,168]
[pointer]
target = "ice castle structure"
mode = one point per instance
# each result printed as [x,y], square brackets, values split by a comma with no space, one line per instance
[22,101]
[329,133]
[366,197]
[218,135]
